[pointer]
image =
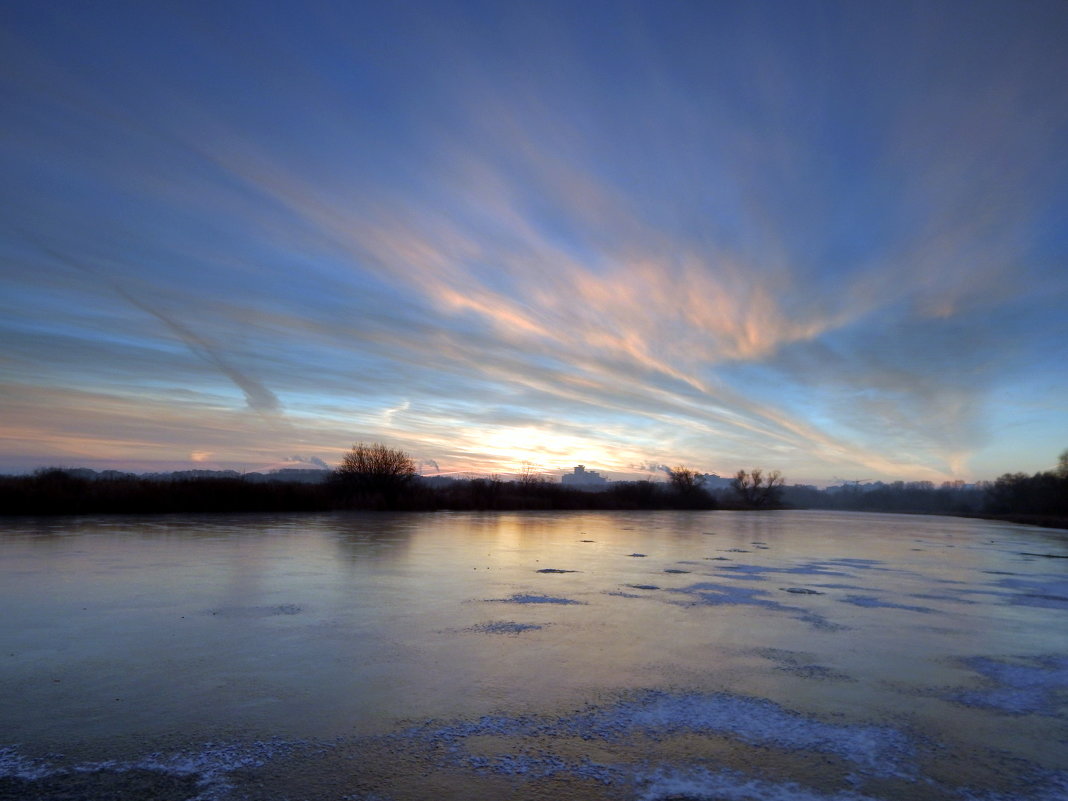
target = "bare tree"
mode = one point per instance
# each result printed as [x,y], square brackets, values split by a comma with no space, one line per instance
[375,469]
[529,476]
[756,489]
[743,486]
[685,480]
[1062,464]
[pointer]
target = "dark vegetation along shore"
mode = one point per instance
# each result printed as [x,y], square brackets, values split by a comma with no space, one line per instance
[376,477]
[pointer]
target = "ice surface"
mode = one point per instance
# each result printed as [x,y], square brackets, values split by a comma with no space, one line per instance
[371,633]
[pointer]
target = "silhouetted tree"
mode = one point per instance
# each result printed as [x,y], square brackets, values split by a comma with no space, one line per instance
[1062,464]
[636,494]
[756,489]
[686,484]
[485,492]
[375,470]
[685,480]
[529,478]
[1020,494]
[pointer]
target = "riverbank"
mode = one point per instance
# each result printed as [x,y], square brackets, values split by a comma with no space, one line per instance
[1043,521]
[59,492]
[1033,501]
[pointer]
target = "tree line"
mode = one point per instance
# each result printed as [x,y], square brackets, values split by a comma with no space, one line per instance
[370,476]
[1040,498]
[375,476]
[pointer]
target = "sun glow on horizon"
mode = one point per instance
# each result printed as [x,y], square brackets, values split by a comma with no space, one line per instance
[511,449]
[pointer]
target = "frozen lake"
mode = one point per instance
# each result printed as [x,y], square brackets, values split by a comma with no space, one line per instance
[367,657]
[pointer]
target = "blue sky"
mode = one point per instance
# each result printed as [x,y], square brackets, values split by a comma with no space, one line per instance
[825,238]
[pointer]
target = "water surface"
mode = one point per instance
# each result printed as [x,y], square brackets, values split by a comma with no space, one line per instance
[806,655]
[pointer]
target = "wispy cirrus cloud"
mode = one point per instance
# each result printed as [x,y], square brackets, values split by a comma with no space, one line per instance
[821,257]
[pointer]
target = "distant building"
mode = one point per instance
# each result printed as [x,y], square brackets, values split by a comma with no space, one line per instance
[711,481]
[581,478]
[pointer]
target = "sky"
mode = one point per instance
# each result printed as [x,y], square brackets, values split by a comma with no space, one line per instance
[825,238]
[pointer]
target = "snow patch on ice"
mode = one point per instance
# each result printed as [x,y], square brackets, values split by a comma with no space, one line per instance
[532,598]
[881,750]
[708,593]
[1047,592]
[758,721]
[543,766]
[728,785]
[16,766]
[504,627]
[255,611]
[801,665]
[1048,786]
[711,594]
[1027,688]
[762,571]
[871,602]
[210,765]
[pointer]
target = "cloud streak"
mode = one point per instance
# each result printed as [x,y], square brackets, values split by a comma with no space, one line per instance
[257,396]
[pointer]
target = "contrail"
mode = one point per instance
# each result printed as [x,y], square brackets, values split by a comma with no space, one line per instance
[257,396]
